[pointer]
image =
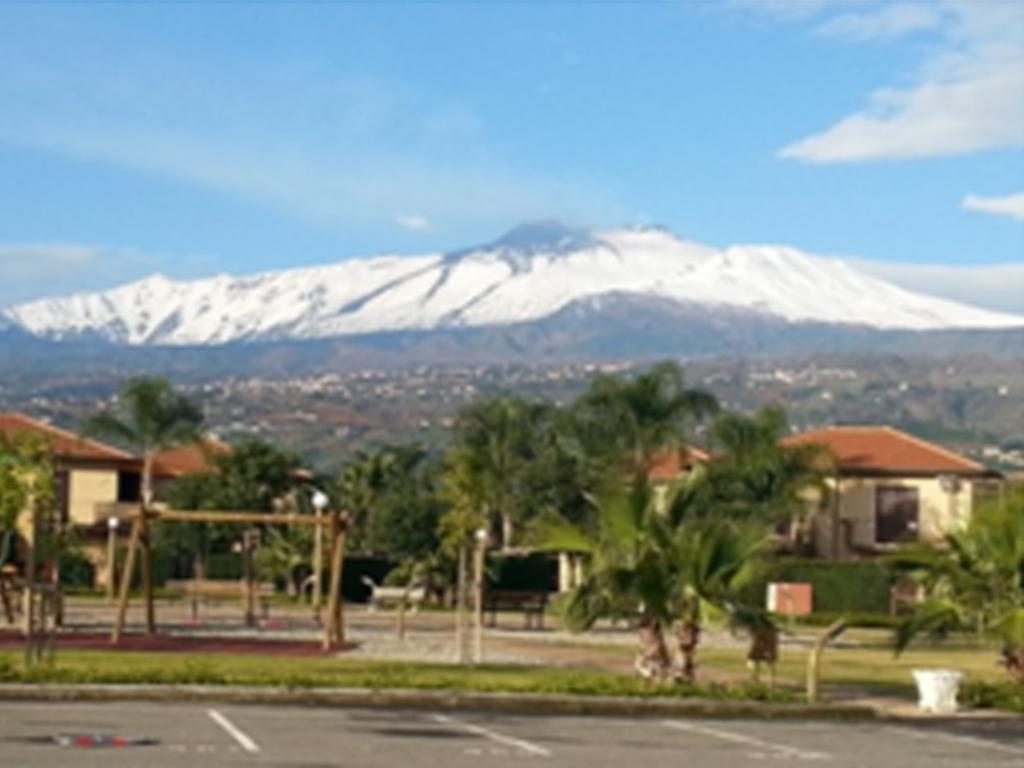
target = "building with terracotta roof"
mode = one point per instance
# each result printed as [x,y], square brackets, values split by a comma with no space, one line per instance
[669,465]
[92,478]
[887,487]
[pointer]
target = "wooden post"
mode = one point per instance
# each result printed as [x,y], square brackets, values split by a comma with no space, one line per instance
[332,627]
[147,572]
[126,580]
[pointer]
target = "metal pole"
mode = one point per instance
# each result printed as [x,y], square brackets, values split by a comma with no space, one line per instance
[478,596]
[460,608]
[318,562]
[111,556]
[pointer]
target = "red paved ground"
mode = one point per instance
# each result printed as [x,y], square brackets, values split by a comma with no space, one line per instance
[13,640]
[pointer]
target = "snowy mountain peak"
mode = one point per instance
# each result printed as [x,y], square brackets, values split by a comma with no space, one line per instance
[531,273]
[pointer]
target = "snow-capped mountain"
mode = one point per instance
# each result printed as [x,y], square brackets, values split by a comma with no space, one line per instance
[533,273]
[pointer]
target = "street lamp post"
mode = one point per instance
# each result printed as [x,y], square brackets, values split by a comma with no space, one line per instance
[480,537]
[112,524]
[320,502]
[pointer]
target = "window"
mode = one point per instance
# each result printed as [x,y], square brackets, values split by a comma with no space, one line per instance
[128,484]
[896,514]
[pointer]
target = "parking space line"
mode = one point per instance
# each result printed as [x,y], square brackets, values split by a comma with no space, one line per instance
[971,741]
[243,739]
[750,741]
[508,741]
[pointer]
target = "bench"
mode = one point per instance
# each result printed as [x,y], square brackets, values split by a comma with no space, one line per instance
[381,595]
[210,590]
[532,604]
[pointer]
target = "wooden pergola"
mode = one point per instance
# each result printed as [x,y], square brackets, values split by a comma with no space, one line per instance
[140,539]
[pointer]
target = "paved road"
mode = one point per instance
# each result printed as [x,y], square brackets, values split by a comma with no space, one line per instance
[234,735]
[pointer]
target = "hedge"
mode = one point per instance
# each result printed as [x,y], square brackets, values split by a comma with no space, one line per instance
[844,587]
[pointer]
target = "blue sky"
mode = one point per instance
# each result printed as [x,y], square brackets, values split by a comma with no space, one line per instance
[193,139]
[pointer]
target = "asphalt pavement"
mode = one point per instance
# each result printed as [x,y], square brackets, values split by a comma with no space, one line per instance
[157,735]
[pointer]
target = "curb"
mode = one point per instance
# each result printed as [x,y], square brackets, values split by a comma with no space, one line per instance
[510,703]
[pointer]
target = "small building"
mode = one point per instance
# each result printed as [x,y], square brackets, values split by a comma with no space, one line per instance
[888,487]
[94,482]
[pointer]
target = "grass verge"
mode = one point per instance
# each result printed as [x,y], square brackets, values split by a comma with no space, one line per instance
[215,669]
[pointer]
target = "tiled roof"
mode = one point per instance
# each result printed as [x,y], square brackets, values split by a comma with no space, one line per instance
[668,465]
[65,445]
[886,450]
[187,458]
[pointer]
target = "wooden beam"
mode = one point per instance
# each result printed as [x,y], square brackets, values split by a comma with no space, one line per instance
[126,580]
[217,516]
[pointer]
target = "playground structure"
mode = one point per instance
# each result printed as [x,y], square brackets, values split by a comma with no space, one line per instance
[140,543]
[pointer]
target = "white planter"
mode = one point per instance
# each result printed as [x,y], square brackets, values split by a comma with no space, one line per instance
[937,689]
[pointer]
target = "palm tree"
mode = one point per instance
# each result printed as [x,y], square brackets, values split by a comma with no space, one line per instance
[754,475]
[974,580]
[716,560]
[631,419]
[629,569]
[150,418]
[363,482]
[674,569]
[497,440]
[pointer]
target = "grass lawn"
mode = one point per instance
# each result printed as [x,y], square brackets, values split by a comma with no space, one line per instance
[133,667]
[871,670]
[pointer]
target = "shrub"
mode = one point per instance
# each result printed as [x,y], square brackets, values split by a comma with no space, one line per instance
[1005,696]
[76,570]
[839,588]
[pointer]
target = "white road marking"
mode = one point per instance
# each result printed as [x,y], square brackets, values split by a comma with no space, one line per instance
[971,741]
[750,741]
[509,741]
[243,739]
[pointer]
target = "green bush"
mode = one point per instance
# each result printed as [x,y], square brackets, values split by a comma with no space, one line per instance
[1006,696]
[76,570]
[224,565]
[839,588]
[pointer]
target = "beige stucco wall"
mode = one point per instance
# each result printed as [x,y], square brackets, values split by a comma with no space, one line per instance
[87,487]
[939,511]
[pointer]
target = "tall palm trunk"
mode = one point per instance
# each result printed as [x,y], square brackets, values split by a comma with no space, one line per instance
[688,638]
[653,661]
[1013,660]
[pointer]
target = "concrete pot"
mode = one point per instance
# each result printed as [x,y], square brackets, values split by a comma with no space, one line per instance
[937,689]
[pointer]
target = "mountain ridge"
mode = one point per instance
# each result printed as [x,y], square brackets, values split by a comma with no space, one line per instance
[529,275]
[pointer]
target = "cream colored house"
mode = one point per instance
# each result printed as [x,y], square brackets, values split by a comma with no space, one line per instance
[94,482]
[888,487]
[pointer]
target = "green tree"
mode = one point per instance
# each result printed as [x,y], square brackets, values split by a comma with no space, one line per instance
[754,476]
[974,581]
[622,422]
[497,441]
[150,417]
[667,569]
[254,476]
[26,486]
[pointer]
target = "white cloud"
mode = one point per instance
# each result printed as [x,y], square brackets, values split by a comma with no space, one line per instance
[992,286]
[413,221]
[967,96]
[889,22]
[1010,205]
[33,270]
[340,152]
